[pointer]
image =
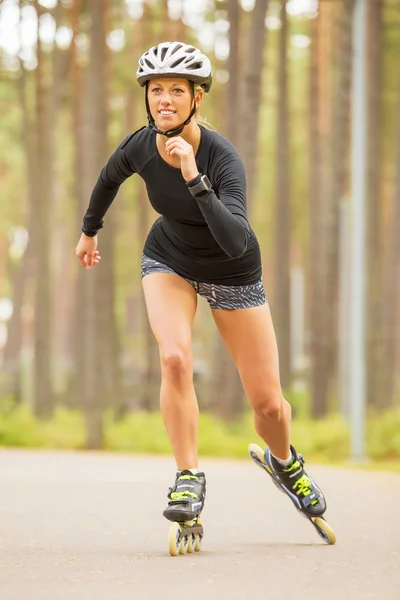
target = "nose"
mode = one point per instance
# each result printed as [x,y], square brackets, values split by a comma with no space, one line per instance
[165,99]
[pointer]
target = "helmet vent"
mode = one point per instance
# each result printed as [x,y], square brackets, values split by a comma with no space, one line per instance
[163,53]
[177,62]
[178,47]
[195,66]
[148,63]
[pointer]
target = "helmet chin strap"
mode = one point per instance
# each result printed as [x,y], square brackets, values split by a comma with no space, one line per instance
[170,132]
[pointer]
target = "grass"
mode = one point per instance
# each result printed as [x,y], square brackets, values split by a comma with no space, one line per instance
[326,441]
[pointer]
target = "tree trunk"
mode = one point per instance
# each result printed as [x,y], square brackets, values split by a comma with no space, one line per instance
[391,290]
[43,401]
[232,89]
[283,221]
[373,295]
[325,347]
[79,310]
[25,271]
[251,94]
[98,306]
[179,31]
[315,178]
[11,377]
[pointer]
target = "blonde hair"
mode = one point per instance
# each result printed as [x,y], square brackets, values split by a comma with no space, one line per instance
[199,119]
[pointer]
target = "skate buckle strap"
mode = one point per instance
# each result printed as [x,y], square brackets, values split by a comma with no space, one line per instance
[183,495]
[307,500]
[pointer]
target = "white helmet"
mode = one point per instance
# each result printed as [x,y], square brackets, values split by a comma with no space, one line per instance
[170,59]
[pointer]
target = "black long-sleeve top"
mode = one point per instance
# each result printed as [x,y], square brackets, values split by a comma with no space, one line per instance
[207,238]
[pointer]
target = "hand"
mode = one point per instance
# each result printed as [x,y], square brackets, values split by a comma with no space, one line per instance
[86,251]
[177,146]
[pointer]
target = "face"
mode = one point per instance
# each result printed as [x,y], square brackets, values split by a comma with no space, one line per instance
[170,101]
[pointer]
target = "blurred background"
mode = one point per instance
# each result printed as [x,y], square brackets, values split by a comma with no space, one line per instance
[79,365]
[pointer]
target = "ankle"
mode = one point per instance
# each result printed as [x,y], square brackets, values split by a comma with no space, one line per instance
[283,462]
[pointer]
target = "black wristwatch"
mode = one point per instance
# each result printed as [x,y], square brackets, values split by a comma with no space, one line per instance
[198,185]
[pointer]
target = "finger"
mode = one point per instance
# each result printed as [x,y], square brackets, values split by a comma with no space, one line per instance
[174,139]
[89,260]
[95,258]
[170,148]
[175,144]
[81,257]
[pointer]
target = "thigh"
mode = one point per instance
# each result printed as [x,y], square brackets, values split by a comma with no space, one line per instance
[250,339]
[171,304]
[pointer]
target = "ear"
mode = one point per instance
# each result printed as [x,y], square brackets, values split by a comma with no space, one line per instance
[199,98]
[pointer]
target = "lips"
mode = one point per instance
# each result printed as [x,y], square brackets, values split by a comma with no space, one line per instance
[166,113]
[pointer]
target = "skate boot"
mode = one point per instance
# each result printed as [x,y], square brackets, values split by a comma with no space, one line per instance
[298,485]
[184,507]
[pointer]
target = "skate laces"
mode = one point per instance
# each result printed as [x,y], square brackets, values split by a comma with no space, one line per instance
[303,484]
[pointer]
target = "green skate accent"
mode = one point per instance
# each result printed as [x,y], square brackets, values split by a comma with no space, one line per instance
[303,484]
[293,467]
[187,477]
[181,495]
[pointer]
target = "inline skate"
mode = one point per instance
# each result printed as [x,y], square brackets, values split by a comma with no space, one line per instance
[295,483]
[186,501]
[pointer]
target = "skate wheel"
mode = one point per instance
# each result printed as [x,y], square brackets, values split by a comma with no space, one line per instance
[174,539]
[183,545]
[191,543]
[197,544]
[324,530]
[257,454]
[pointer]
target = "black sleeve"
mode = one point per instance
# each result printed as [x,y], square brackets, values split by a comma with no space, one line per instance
[226,216]
[116,171]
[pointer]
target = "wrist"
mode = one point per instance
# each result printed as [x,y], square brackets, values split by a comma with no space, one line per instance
[199,186]
[89,235]
[193,180]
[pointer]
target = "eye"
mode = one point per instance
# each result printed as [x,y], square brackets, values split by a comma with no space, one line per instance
[177,91]
[156,90]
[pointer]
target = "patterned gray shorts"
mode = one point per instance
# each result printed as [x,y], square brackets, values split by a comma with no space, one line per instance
[218,296]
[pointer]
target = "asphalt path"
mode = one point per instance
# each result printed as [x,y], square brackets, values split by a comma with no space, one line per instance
[89,526]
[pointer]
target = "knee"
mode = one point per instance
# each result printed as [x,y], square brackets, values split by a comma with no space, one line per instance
[270,406]
[176,363]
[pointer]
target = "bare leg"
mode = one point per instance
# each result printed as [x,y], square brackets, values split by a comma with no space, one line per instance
[276,434]
[250,338]
[171,320]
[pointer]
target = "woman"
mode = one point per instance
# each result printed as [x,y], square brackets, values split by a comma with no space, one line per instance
[201,244]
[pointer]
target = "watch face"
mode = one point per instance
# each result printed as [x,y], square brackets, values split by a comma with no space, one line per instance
[204,185]
[206,182]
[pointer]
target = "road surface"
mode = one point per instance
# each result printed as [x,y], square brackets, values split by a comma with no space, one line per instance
[88,526]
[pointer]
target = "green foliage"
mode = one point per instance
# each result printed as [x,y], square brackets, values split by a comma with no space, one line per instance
[383,436]
[324,440]
[139,432]
[327,440]
[299,400]
[19,428]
